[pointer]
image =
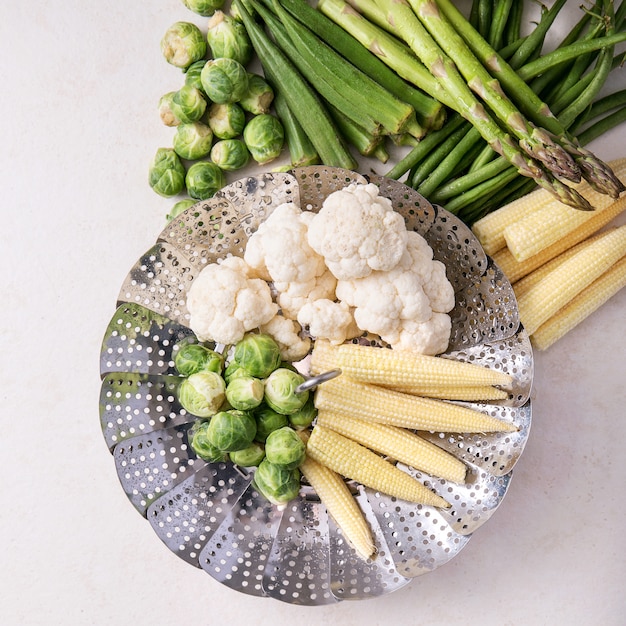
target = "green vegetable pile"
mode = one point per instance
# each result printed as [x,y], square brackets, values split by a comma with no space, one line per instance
[247,410]
[221,114]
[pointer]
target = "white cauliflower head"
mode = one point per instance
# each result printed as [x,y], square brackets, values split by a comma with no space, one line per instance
[327,319]
[293,296]
[431,337]
[357,231]
[286,333]
[224,303]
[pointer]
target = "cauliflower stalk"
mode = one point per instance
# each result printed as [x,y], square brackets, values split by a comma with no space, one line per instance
[225,302]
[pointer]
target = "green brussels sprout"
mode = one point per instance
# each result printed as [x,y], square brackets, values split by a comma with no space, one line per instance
[188,104]
[165,110]
[280,391]
[234,11]
[201,445]
[245,392]
[179,207]
[204,179]
[226,120]
[228,38]
[231,430]
[248,457]
[234,370]
[230,154]
[224,80]
[267,421]
[264,135]
[202,393]
[276,483]
[193,73]
[195,357]
[258,354]
[166,174]
[192,141]
[284,447]
[203,7]
[182,44]
[305,416]
[258,97]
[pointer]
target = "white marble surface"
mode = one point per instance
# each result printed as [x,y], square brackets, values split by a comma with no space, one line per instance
[80,82]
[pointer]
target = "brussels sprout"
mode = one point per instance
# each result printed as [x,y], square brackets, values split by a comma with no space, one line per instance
[226,120]
[201,445]
[231,430]
[192,141]
[182,44]
[228,37]
[248,457]
[258,97]
[245,392]
[193,73]
[277,483]
[204,179]
[166,173]
[230,154]
[165,110]
[280,391]
[234,370]
[188,104]
[234,11]
[264,135]
[305,416]
[258,354]
[267,421]
[284,447]
[202,394]
[178,208]
[203,7]
[224,80]
[195,357]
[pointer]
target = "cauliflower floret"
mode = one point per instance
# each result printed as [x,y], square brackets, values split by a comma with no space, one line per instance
[357,231]
[279,250]
[224,303]
[327,319]
[293,296]
[439,289]
[431,337]
[286,333]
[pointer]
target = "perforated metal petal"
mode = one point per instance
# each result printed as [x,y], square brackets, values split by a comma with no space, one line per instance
[316,182]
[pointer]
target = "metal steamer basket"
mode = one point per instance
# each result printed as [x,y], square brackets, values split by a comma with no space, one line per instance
[209,514]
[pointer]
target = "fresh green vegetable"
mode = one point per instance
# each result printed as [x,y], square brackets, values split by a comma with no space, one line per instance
[258,97]
[264,137]
[182,44]
[179,207]
[231,430]
[227,37]
[193,141]
[248,457]
[165,110]
[245,392]
[193,74]
[301,149]
[280,391]
[188,104]
[258,354]
[267,421]
[303,418]
[227,121]
[224,80]
[203,7]
[202,393]
[284,447]
[204,179]
[234,370]
[276,483]
[230,154]
[200,444]
[195,357]
[166,173]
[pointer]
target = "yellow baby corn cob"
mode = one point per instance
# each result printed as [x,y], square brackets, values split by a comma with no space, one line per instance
[385,406]
[581,307]
[401,367]
[474,393]
[514,270]
[352,460]
[558,288]
[341,505]
[397,443]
